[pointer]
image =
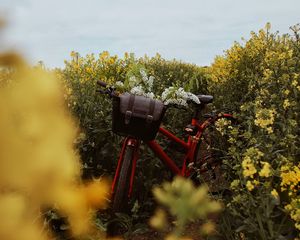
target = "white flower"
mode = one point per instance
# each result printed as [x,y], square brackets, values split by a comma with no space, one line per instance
[147,82]
[166,93]
[175,101]
[178,96]
[150,95]
[132,81]
[143,74]
[150,81]
[193,97]
[181,93]
[138,90]
[142,85]
[119,84]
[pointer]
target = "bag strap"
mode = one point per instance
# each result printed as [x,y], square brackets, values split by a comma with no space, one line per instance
[149,118]
[129,110]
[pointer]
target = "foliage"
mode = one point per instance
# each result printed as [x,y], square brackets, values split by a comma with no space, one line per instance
[261,79]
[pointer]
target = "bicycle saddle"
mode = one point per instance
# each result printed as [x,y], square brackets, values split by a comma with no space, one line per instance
[205,98]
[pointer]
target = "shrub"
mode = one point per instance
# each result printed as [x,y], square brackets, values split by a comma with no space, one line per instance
[261,79]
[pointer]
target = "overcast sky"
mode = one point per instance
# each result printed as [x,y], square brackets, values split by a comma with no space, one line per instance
[194,31]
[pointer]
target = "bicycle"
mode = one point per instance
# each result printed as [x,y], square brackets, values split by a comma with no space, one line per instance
[200,154]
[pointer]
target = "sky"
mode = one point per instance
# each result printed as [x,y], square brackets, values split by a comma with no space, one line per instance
[193,31]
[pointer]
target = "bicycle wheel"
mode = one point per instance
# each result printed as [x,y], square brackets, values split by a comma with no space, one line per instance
[120,203]
[209,154]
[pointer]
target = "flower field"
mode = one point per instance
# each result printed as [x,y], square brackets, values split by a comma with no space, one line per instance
[68,139]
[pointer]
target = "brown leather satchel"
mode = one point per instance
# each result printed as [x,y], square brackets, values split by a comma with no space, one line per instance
[137,116]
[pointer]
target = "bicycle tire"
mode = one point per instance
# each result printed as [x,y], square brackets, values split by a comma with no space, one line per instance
[120,202]
[210,151]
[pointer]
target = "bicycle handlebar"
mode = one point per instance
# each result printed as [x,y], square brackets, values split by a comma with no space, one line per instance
[102,84]
[108,90]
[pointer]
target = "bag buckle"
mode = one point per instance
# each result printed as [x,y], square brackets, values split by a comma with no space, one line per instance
[149,119]
[128,115]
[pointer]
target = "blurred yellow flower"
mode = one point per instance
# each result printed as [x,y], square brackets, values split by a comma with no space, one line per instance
[175,237]
[97,194]
[274,193]
[159,220]
[286,104]
[208,228]
[185,202]
[294,83]
[286,92]
[38,164]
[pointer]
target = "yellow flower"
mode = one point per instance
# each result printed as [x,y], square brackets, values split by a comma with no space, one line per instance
[235,183]
[249,185]
[274,193]
[237,198]
[104,55]
[248,167]
[265,118]
[96,194]
[89,70]
[288,207]
[294,83]
[266,170]
[294,210]
[175,237]
[38,165]
[159,220]
[208,228]
[255,182]
[286,103]
[285,168]
[290,180]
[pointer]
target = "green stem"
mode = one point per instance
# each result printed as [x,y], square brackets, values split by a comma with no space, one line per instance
[261,228]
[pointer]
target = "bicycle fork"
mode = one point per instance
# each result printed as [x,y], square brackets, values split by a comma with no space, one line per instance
[132,143]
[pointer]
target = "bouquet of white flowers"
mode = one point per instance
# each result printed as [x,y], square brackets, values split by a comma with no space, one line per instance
[142,85]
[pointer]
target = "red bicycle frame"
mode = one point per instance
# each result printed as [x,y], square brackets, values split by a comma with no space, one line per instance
[189,146]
